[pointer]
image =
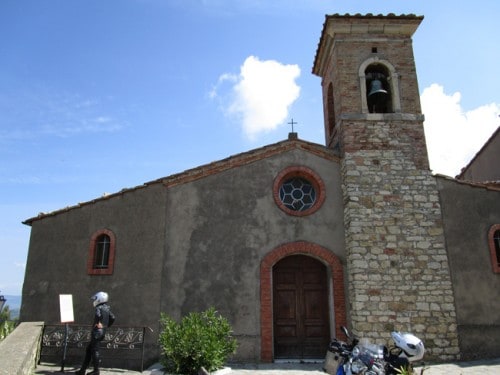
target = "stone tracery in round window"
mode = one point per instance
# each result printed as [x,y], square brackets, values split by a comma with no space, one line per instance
[299,191]
[297,194]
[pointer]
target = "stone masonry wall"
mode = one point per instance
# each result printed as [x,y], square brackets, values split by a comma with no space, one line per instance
[397,265]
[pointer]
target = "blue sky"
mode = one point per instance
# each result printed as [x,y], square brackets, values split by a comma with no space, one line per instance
[96,96]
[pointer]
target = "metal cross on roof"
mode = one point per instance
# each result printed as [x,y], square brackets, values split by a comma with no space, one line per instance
[292,123]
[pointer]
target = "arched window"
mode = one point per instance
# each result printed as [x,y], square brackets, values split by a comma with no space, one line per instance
[494,244]
[101,253]
[330,111]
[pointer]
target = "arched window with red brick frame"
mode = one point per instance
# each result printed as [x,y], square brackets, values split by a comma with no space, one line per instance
[494,243]
[101,256]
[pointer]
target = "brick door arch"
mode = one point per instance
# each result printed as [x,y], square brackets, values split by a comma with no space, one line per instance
[266,302]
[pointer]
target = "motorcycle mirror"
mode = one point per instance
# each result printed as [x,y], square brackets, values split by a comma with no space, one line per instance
[346,332]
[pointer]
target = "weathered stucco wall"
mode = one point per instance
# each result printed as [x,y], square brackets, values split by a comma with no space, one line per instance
[59,248]
[484,166]
[180,248]
[221,227]
[468,214]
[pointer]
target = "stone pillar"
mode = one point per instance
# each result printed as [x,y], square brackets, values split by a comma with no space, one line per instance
[397,266]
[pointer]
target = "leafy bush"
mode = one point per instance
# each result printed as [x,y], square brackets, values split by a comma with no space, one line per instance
[406,370]
[6,325]
[199,340]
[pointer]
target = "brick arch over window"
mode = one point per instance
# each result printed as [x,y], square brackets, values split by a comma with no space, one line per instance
[494,244]
[266,302]
[91,268]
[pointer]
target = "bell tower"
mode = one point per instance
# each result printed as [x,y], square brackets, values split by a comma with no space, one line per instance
[397,265]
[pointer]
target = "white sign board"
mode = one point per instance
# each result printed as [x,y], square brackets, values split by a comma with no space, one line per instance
[66,306]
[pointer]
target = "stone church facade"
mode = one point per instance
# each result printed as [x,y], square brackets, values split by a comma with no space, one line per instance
[292,240]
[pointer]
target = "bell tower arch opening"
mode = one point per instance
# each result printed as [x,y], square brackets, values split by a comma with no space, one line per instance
[379,95]
[379,86]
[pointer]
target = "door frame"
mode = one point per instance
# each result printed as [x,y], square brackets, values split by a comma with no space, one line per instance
[335,285]
[303,288]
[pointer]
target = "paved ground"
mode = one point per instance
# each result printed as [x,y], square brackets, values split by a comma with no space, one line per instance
[488,367]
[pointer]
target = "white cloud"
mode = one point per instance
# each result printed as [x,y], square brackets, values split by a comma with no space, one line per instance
[262,94]
[71,127]
[46,112]
[223,78]
[454,136]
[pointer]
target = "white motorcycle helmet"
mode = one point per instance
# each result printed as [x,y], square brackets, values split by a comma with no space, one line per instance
[412,346]
[100,297]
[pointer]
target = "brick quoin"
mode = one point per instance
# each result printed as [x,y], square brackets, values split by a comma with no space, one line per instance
[266,303]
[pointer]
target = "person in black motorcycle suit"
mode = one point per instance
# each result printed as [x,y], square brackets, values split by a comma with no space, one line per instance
[103,318]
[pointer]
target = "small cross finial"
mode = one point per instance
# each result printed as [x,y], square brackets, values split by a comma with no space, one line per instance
[292,123]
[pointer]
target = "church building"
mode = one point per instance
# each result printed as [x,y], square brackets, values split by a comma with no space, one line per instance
[292,240]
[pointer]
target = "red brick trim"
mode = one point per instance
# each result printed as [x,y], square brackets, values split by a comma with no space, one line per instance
[309,175]
[266,302]
[495,262]
[92,247]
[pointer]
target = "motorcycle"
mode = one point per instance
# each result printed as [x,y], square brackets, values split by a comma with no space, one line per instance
[362,357]
[338,353]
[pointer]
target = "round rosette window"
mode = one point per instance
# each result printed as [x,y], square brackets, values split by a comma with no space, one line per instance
[298,191]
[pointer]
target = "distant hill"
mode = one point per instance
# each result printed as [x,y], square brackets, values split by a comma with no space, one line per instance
[14,303]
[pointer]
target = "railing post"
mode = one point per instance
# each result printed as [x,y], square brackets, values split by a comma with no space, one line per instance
[142,352]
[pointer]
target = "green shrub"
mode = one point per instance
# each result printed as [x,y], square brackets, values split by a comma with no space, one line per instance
[199,340]
[406,370]
[6,325]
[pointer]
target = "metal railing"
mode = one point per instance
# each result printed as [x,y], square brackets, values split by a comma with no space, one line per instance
[122,346]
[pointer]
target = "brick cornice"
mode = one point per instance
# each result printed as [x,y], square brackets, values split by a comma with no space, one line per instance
[249,158]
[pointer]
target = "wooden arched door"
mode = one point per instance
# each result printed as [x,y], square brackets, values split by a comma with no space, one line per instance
[300,308]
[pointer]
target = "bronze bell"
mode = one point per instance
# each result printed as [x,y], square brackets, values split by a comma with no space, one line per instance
[376,88]
[377,97]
